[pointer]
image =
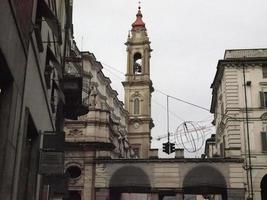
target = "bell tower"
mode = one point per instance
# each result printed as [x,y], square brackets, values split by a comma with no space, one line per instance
[138,87]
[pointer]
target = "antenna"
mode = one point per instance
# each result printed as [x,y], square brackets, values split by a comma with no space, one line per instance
[168,129]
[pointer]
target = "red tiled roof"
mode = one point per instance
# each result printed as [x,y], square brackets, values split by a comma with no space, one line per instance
[139,22]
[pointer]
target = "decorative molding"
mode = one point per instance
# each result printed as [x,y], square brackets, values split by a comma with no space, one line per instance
[74,132]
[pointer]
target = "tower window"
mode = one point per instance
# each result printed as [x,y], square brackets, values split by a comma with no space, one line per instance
[136,106]
[137,66]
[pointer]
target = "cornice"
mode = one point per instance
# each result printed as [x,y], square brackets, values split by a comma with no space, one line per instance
[173,160]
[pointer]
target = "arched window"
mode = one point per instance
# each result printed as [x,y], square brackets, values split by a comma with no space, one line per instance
[137,65]
[136,106]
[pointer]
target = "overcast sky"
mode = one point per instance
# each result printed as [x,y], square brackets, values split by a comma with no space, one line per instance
[188,37]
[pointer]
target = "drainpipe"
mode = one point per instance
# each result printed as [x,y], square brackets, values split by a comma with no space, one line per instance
[248,138]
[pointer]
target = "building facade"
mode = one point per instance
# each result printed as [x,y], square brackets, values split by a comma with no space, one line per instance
[239,105]
[102,133]
[36,37]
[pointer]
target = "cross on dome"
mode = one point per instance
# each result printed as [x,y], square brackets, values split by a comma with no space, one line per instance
[139,24]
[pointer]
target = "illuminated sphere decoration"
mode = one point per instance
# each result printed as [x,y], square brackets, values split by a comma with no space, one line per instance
[190,135]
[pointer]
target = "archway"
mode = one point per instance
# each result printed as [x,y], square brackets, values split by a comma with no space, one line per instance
[129,180]
[205,180]
[264,187]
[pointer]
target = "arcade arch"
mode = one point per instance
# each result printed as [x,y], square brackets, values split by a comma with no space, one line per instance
[264,187]
[129,179]
[205,180]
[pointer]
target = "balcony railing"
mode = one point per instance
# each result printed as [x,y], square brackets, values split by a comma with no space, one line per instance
[72,86]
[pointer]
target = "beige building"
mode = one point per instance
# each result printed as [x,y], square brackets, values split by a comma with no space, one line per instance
[239,102]
[103,132]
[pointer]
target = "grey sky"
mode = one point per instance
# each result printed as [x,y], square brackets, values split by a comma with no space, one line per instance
[188,38]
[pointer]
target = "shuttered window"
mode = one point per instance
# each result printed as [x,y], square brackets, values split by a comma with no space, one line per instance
[264,70]
[263,99]
[264,141]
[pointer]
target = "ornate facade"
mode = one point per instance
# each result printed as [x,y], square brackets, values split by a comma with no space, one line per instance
[239,105]
[138,88]
[103,132]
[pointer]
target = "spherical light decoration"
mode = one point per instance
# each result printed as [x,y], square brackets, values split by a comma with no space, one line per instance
[190,135]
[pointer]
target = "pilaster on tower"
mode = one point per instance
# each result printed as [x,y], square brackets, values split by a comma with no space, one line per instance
[138,87]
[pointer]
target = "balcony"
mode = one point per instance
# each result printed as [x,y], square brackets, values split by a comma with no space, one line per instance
[72,85]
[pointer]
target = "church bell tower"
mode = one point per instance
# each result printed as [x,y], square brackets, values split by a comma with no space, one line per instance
[138,88]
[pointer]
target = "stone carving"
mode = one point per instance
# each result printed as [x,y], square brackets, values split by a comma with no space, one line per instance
[74,132]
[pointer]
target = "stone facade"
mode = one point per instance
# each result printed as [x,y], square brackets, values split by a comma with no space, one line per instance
[239,107]
[102,133]
[138,88]
[171,177]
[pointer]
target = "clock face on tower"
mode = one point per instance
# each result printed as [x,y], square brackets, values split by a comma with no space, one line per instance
[136,125]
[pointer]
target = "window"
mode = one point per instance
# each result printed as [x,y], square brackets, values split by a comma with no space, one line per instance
[136,151]
[136,106]
[263,99]
[74,172]
[264,141]
[264,70]
[29,161]
[222,149]
[44,11]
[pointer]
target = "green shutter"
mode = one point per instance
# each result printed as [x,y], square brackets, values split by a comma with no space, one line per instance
[262,99]
[264,141]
